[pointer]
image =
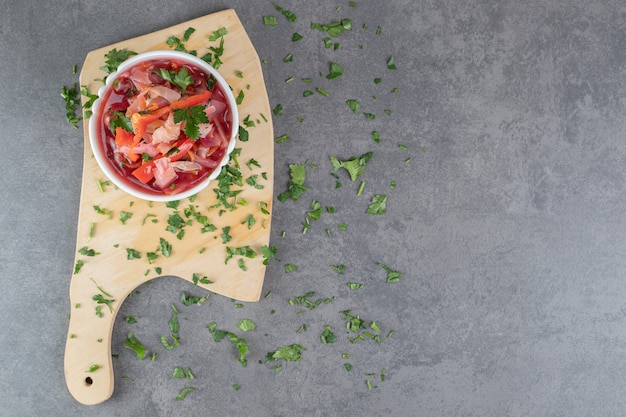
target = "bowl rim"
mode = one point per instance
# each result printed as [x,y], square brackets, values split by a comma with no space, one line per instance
[93,128]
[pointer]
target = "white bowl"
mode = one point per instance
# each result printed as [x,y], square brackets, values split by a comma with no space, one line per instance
[96,120]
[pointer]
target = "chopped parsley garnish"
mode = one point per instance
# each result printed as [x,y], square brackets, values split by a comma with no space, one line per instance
[133,343]
[288,15]
[218,34]
[165,247]
[246,325]
[270,20]
[238,342]
[355,165]
[335,71]
[87,252]
[114,58]
[196,278]
[391,64]
[118,119]
[333,29]
[378,205]
[296,184]
[124,216]
[93,368]
[392,276]
[289,353]
[354,105]
[328,336]
[184,393]
[132,254]
[268,253]
[282,138]
[296,37]
[180,79]
[290,268]
[71,96]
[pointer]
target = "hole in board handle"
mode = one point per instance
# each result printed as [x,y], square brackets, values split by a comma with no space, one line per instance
[88,381]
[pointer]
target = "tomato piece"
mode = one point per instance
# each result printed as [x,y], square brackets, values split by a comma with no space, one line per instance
[145,172]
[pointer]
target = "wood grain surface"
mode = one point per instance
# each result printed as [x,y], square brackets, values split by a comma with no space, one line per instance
[199,255]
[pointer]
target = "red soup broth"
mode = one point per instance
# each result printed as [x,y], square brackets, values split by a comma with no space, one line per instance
[207,151]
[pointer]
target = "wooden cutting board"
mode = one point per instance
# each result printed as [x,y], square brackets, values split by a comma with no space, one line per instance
[200,255]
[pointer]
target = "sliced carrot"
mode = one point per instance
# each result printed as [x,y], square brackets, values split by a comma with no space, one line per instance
[141,121]
[192,100]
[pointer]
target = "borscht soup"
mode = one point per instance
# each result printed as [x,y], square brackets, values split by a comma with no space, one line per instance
[164,125]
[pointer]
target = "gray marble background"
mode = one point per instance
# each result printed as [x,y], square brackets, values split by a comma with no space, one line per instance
[507,223]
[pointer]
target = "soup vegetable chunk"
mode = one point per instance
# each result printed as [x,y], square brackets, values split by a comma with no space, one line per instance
[165,125]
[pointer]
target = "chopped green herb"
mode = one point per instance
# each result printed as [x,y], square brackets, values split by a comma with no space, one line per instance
[335,71]
[133,343]
[290,268]
[71,96]
[296,37]
[130,320]
[93,368]
[322,92]
[278,110]
[165,247]
[288,58]
[87,252]
[218,34]
[369,116]
[391,64]
[288,15]
[378,205]
[188,34]
[238,342]
[240,97]
[354,105]
[333,29]
[289,353]
[296,184]
[184,393]
[124,216]
[192,116]
[328,336]
[355,165]
[375,136]
[354,286]
[307,93]
[392,276]
[282,138]
[270,20]
[246,325]
[132,254]
[114,58]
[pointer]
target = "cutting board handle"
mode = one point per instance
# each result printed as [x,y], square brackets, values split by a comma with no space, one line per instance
[88,365]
